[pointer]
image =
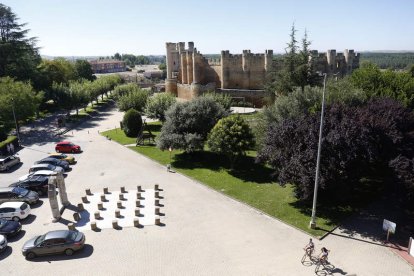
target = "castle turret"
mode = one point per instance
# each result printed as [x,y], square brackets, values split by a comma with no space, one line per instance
[268,59]
[331,59]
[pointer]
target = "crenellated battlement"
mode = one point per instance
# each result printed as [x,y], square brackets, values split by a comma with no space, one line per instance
[188,70]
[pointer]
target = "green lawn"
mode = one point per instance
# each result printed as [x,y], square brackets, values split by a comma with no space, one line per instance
[250,182]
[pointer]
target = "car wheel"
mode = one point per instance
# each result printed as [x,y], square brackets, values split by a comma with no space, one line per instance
[16,218]
[69,252]
[30,255]
[7,168]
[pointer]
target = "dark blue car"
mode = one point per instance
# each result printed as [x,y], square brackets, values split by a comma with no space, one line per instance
[9,227]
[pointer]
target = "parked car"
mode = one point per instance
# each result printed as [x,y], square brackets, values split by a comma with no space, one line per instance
[61,156]
[36,183]
[55,162]
[18,194]
[7,162]
[41,173]
[9,227]
[3,243]
[14,210]
[68,147]
[54,242]
[48,167]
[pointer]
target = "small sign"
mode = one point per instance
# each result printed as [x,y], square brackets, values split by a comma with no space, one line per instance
[389,226]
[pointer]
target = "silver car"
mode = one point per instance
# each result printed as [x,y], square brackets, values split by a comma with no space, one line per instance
[54,242]
[18,194]
[48,167]
[7,162]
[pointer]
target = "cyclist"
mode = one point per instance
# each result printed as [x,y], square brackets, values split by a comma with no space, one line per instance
[309,248]
[323,256]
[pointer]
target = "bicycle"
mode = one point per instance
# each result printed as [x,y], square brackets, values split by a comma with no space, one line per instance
[308,253]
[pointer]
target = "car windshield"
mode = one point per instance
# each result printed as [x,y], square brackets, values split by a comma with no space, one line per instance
[20,191]
[72,236]
[2,223]
[40,239]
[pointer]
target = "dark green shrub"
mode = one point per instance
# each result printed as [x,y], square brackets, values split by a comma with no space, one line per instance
[132,123]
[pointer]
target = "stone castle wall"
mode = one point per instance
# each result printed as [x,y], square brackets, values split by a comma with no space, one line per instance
[189,73]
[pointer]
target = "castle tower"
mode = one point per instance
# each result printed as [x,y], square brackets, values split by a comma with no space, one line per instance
[225,55]
[183,56]
[268,60]
[331,59]
[173,65]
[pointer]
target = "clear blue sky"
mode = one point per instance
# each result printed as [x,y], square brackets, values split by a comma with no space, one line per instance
[103,27]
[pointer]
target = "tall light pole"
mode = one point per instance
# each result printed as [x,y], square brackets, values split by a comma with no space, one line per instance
[15,121]
[312,223]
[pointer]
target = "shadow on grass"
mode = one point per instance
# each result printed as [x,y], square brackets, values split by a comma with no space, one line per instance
[246,169]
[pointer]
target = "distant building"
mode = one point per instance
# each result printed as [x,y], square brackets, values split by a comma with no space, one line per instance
[107,66]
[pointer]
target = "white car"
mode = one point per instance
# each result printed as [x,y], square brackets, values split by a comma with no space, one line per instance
[45,167]
[14,210]
[42,172]
[3,243]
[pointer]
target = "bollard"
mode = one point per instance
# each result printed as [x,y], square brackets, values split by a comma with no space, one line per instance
[157,195]
[93,226]
[139,188]
[137,203]
[88,192]
[119,204]
[106,190]
[157,221]
[85,199]
[136,222]
[103,198]
[117,213]
[100,206]
[97,215]
[121,196]
[137,212]
[157,211]
[76,216]
[80,207]
[156,187]
[71,226]
[138,195]
[123,190]
[157,202]
[115,224]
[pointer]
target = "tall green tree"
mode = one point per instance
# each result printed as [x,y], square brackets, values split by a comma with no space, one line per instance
[83,70]
[19,55]
[232,137]
[20,96]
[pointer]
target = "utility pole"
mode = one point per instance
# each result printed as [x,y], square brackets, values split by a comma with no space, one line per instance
[312,223]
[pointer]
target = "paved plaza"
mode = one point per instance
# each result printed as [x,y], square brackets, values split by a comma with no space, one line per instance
[203,232]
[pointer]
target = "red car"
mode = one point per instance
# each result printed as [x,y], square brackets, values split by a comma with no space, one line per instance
[66,146]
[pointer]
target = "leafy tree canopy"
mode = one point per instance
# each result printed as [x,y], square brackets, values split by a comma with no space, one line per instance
[232,137]
[158,104]
[187,124]
[19,55]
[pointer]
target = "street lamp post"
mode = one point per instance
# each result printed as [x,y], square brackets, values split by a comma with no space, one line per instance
[315,192]
[15,121]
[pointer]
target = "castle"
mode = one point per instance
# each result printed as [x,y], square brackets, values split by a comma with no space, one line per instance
[190,74]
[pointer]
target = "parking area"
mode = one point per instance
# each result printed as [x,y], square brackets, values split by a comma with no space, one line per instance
[202,233]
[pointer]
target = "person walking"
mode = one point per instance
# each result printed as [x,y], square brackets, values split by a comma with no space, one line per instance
[11,148]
